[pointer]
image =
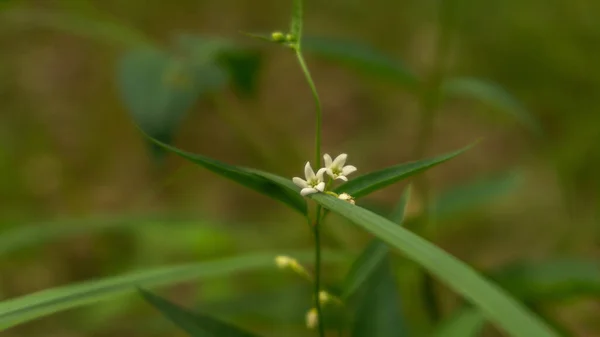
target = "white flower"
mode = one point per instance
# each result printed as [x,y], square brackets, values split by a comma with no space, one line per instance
[346,197]
[336,169]
[314,182]
[312,318]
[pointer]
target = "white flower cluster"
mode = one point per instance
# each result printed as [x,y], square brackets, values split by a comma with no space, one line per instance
[336,169]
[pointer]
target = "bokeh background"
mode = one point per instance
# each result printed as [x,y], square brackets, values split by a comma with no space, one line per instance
[82,197]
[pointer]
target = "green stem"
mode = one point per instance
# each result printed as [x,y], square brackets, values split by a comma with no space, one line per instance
[319,111]
[429,102]
[316,226]
[317,288]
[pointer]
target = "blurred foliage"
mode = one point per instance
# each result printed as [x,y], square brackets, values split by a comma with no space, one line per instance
[69,154]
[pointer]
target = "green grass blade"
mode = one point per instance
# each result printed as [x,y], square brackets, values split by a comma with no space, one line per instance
[370,182]
[372,257]
[465,197]
[46,302]
[551,280]
[496,304]
[379,313]
[271,185]
[492,95]
[467,322]
[95,27]
[361,58]
[195,324]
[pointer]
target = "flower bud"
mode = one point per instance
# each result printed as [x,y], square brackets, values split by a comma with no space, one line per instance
[278,37]
[312,318]
[346,197]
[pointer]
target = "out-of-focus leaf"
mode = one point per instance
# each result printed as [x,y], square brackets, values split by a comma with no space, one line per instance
[465,197]
[297,20]
[466,322]
[195,324]
[362,58]
[379,313]
[29,307]
[550,280]
[497,305]
[271,185]
[243,68]
[372,257]
[92,27]
[493,95]
[159,88]
[29,235]
[370,182]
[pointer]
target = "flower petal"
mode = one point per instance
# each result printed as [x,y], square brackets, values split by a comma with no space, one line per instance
[346,170]
[320,173]
[300,182]
[327,159]
[320,186]
[330,172]
[308,190]
[340,160]
[308,171]
[342,177]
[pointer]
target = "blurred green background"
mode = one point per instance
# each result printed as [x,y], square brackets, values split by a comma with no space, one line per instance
[83,198]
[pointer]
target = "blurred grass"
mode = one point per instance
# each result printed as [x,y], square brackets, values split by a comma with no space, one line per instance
[69,151]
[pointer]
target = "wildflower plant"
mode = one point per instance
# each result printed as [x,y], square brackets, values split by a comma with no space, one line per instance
[335,187]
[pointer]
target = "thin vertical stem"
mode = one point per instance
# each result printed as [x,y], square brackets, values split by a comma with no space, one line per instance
[317,289]
[317,225]
[319,111]
[429,102]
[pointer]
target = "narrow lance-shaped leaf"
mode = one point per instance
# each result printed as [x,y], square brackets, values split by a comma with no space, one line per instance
[370,182]
[467,322]
[497,305]
[373,255]
[550,280]
[493,95]
[468,196]
[361,58]
[96,27]
[46,302]
[271,185]
[379,313]
[195,324]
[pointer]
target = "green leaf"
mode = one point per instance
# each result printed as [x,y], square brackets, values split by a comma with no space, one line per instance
[466,322]
[372,257]
[379,313]
[493,95]
[195,324]
[370,182]
[90,25]
[29,307]
[271,185]
[361,58]
[497,305]
[551,280]
[159,89]
[465,197]
[243,67]
[297,18]
[24,236]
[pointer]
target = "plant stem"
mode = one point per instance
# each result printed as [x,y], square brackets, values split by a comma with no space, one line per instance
[429,102]
[317,289]
[316,226]
[319,111]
